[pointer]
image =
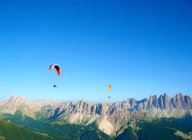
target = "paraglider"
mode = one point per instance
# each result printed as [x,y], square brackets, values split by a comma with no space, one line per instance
[58,70]
[109,88]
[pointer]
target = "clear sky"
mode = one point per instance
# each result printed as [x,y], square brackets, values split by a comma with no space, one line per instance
[140,47]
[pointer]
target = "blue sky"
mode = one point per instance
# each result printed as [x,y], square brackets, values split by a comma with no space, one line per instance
[140,47]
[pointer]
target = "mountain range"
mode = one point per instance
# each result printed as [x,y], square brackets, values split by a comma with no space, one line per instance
[109,117]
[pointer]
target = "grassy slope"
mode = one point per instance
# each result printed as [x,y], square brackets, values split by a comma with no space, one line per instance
[128,134]
[9,131]
[162,129]
[159,129]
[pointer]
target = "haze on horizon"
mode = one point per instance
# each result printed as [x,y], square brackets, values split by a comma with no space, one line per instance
[141,48]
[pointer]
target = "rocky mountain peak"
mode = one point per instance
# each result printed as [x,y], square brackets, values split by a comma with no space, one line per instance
[19,103]
[16,100]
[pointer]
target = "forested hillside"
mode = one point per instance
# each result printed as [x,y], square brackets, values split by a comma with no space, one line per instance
[9,131]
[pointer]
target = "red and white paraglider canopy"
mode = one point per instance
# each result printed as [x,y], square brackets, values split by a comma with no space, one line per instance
[57,67]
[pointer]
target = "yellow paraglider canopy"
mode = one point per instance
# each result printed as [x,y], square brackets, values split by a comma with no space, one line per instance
[109,87]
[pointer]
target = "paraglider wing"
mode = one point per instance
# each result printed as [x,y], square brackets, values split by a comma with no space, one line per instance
[109,87]
[57,67]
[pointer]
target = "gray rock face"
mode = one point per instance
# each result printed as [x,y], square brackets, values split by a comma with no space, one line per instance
[19,103]
[110,117]
[180,101]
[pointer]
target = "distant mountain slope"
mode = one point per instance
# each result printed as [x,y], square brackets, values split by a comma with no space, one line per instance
[165,129]
[109,117]
[59,131]
[9,131]
[20,103]
[158,129]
